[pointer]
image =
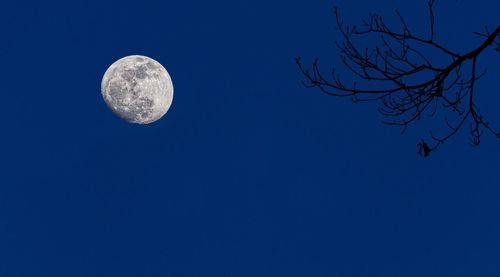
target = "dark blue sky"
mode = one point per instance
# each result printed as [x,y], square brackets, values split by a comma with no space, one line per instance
[249,174]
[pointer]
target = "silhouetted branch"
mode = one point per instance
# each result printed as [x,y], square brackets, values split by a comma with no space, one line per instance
[408,83]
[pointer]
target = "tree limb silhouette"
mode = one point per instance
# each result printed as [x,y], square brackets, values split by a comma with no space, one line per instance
[409,84]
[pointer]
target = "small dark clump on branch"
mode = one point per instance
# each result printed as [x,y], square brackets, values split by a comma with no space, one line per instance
[396,63]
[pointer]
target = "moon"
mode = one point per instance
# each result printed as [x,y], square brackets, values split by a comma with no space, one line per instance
[138,89]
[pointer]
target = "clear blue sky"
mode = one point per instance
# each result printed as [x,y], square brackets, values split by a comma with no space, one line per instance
[249,174]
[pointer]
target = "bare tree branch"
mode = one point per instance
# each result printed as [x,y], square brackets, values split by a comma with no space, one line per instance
[409,84]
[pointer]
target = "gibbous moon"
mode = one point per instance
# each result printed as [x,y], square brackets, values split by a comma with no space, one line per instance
[138,89]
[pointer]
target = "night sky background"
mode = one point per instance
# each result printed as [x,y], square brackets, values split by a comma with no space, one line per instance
[249,173]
